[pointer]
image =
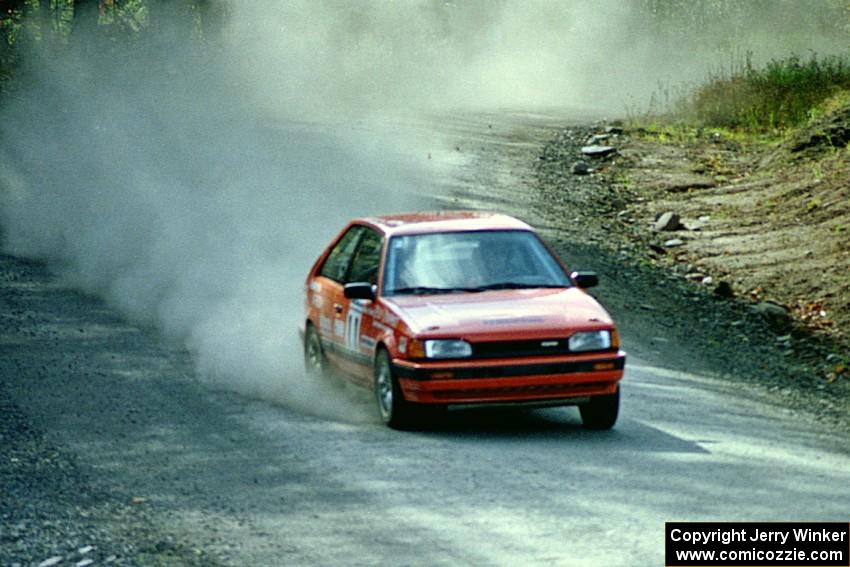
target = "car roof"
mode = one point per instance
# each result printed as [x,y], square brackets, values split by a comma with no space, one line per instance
[443,221]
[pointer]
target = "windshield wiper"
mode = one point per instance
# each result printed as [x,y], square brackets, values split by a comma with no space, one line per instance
[424,290]
[517,285]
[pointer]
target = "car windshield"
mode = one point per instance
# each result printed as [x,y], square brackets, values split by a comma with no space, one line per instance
[458,262]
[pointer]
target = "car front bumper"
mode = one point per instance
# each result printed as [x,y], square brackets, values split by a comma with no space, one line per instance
[552,380]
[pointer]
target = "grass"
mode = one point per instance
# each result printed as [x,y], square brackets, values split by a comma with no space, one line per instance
[671,129]
[769,100]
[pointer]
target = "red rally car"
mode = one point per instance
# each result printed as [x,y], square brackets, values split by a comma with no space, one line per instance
[453,309]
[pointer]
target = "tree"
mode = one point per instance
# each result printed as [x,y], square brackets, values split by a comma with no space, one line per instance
[86,16]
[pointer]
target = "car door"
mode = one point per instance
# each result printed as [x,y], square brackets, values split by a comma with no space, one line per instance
[331,303]
[360,326]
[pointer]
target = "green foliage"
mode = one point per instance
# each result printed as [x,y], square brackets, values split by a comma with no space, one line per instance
[53,23]
[129,16]
[783,94]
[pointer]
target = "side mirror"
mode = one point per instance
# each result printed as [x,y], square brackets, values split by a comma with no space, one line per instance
[585,280]
[359,290]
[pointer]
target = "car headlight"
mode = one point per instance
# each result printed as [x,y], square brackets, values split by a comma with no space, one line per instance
[590,340]
[453,348]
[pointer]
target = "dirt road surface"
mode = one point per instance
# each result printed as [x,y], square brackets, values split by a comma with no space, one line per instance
[127,451]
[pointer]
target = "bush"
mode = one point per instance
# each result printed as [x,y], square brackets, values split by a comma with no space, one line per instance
[782,94]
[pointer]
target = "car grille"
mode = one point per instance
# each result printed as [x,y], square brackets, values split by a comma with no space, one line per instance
[515,349]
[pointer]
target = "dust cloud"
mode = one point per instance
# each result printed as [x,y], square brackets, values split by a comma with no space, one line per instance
[605,56]
[191,183]
[143,177]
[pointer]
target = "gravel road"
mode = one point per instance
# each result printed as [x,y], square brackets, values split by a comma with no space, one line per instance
[113,451]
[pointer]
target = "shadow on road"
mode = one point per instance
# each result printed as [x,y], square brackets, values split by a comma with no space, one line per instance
[557,425]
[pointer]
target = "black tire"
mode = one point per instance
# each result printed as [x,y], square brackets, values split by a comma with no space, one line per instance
[395,411]
[601,411]
[315,362]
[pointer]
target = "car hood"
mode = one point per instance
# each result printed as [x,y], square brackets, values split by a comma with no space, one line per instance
[531,312]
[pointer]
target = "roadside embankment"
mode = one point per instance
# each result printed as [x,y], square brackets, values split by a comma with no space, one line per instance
[744,244]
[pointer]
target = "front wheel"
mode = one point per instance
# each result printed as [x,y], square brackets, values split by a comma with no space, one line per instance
[601,411]
[394,410]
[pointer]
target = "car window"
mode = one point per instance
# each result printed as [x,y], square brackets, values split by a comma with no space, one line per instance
[470,261]
[364,267]
[337,262]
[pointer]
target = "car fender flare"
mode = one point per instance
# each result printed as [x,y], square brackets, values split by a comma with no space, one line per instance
[387,341]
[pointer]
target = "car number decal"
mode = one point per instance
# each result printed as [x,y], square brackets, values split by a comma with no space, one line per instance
[352,330]
[352,325]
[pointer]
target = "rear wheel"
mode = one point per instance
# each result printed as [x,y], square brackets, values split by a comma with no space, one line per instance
[315,362]
[394,410]
[601,411]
